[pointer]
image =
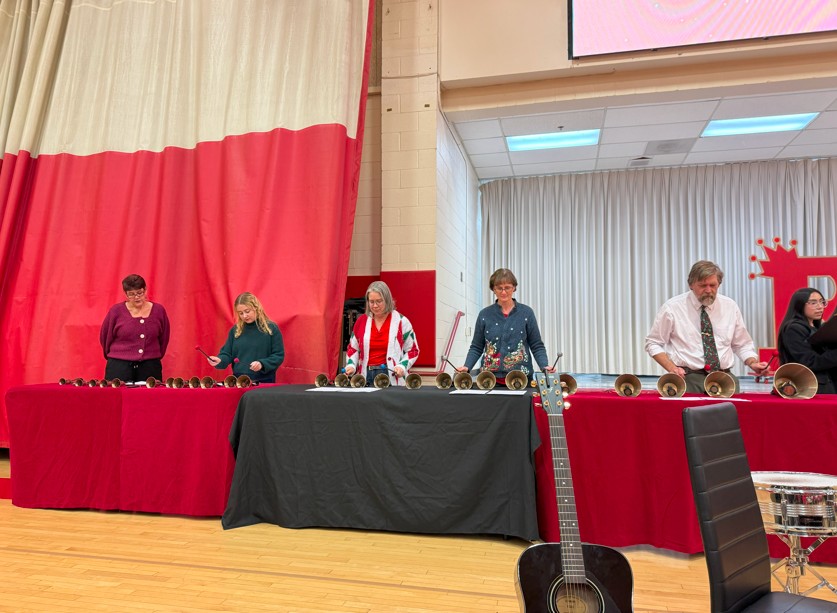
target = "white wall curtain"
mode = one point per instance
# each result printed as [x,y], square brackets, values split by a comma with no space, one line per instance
[596,254]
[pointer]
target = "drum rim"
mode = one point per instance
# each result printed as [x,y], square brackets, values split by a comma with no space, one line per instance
[760,482]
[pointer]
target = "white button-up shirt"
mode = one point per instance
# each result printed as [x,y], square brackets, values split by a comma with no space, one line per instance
[676,332]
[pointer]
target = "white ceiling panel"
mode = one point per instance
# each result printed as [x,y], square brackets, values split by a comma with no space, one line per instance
[553,155]
[479,129]
[744,141]
[494,172]
[736,155]
[485,145]
[618,150]
[784,104]
[659,113]
[815,137]
[648,133]
[809,151]
[553,122]
[825,120]
[551,168]
[490,159]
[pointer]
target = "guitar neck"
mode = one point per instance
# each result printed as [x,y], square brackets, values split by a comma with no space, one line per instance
[571,554]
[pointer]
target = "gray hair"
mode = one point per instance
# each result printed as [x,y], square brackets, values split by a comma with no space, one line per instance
[383,289]
[703,269]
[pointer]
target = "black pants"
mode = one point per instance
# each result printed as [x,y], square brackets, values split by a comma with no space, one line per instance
[133,371]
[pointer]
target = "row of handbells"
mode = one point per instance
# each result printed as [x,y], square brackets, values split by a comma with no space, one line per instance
[789,381]
[485,380]
[172,382]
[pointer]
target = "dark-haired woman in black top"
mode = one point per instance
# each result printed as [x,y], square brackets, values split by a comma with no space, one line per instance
[803,318]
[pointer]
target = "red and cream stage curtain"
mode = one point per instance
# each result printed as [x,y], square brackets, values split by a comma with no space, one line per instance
[211,146]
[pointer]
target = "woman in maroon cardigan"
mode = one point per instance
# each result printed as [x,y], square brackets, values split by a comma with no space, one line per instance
[135,335]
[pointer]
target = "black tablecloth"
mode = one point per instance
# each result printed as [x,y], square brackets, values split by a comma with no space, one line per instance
[423,461]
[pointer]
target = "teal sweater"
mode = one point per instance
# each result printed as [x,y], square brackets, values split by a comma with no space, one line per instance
[253,344]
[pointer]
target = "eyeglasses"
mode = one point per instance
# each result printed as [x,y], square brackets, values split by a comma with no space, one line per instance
[817,302]
[501,289]
[135,294]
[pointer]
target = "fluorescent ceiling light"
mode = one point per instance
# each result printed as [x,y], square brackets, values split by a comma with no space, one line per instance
[554,140]
[758,125]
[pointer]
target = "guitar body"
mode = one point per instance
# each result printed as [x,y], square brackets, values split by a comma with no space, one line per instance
[542,588]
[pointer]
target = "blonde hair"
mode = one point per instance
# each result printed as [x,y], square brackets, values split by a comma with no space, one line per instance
[262,321]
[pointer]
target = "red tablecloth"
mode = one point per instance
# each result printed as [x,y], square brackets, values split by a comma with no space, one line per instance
[630,473]
[134,449]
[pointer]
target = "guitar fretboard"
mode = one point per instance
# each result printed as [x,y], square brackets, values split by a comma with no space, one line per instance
[572,559]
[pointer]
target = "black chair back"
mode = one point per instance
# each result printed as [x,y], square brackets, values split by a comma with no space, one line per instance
[731,527]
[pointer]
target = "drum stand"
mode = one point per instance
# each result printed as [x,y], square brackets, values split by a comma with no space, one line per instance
[796,564]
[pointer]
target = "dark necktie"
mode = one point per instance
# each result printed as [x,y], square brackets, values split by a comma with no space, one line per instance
[710,352]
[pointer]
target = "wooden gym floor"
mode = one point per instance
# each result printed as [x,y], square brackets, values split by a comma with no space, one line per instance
[73,561]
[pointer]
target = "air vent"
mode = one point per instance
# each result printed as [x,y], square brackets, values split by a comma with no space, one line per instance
[677,145]
[643,161]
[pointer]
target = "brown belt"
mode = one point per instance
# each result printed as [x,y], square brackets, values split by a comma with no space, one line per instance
[702,371]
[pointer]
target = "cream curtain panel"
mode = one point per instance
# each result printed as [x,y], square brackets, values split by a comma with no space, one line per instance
[596,254]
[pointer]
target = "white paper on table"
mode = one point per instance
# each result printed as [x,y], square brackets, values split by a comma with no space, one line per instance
[343,389]
[705,398]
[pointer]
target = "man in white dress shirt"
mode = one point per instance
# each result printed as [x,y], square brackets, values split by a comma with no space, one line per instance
[701,331]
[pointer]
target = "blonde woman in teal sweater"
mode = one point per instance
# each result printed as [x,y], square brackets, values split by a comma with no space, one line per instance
[254,344]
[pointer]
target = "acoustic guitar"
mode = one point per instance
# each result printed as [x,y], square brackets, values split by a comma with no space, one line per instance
[570,576]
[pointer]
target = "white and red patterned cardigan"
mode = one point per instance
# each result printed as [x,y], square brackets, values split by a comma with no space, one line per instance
[402,348]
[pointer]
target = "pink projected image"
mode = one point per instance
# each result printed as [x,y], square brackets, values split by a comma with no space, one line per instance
[614,26]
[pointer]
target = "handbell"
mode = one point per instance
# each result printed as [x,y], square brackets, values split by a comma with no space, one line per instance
[486,380]
[719,384]
[230,381]
[358,380]
[463,381]
[413,381]
[444,381]
[244,381]
[671,385]
[381,381]
[207,382]
[516,380]
[794,380]
[321,380]
[153,382]
[568,384]
[627,385]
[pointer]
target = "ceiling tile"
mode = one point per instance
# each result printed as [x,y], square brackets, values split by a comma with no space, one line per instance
[548,168]
[783,104]
[741,155]
[478,129]
[815,137]
[485,145]
[659,113]
[825,120]
[494,172]
[621,150]
[809,151]
[648,133]
[553,122]
[744,141]
[490,159]
[553,155]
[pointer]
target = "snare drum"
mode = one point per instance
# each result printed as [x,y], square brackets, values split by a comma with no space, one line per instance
[801,504]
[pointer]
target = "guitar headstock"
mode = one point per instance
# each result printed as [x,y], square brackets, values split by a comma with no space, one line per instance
[551,391]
